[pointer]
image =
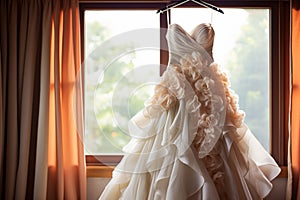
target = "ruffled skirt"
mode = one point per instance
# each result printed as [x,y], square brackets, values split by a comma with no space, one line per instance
[160,165]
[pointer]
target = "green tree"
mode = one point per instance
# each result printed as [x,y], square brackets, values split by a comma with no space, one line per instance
[249,67]
[102,133]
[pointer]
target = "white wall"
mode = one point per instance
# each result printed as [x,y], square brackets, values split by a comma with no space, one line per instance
[96,185]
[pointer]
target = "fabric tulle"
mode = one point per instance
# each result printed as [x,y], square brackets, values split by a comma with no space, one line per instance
[190,142]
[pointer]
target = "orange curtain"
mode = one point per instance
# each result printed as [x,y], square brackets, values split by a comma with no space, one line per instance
[41,148]
[63,147]
[295,117]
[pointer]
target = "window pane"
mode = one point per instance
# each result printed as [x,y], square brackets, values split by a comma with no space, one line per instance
[242,48]
[121,70]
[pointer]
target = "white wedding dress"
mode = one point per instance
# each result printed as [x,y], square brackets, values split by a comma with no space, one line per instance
[190,141]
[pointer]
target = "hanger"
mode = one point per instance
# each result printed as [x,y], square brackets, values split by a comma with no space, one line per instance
[200,2]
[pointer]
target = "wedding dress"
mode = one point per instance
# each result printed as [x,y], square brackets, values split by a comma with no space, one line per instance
[190,141]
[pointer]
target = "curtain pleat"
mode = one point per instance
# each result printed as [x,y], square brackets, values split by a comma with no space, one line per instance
[29,59]
[3,63]
[41,148]
[295,116]
[12,139]
[1,123]
[41,167]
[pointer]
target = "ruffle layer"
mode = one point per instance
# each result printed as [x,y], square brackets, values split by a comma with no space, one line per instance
[195,85]
[156,167]
[255,166]
[158,161]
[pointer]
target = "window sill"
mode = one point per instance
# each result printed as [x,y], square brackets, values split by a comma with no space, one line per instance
[99,171]
[106,171]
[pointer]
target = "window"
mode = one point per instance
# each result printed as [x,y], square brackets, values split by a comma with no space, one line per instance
[120,72]
[261,85]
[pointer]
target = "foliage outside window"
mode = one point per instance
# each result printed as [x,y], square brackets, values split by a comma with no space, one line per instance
[103,133]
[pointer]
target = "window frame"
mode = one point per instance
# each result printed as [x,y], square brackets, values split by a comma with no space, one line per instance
[279,77]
